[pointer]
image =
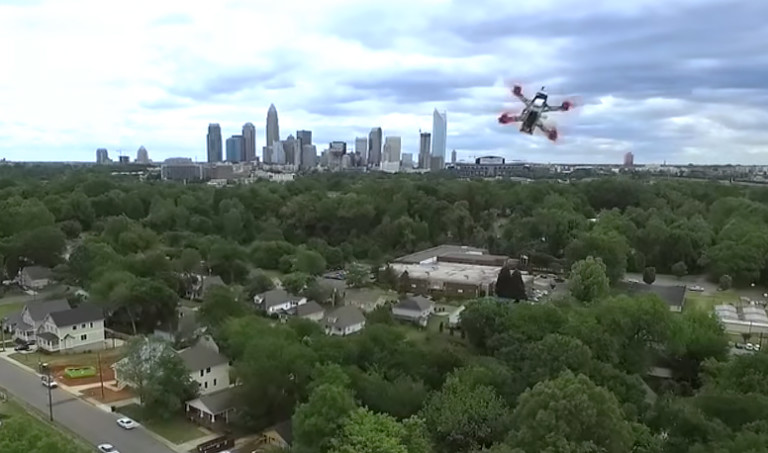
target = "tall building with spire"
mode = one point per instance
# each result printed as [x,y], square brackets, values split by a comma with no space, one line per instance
[273,128]
[374,147]
[214,143]
[249,142]
[142,156]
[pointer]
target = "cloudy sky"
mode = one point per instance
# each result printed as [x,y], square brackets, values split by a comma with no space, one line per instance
[675,80]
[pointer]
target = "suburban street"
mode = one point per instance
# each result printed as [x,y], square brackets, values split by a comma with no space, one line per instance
[92,424]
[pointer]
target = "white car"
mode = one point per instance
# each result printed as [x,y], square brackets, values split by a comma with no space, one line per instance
[127,423]
[48,383]
[696,288]
[107,448]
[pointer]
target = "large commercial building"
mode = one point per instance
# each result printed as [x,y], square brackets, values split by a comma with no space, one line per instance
[425,141]
[439,134]
[249,142]
[308,157]
[142,156]
[235,148]
[361,147]
[304,138]
[102,156]
[181,169]
[374,147]
[214,143]
[273,128]
[452,270]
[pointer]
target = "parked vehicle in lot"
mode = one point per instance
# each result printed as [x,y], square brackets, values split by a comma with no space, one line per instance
[696,288]
[127,423]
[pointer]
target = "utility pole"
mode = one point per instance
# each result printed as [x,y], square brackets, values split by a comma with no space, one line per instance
[101,376]
[48,384]
[2,331]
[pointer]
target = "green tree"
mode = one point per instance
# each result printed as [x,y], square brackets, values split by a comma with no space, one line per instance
[726,282]
[308,262]
[258,283]
[649,275]
[296,282]
[319,419]
[679,269]
[610,247]
[367,432]
[464,417]
[570,413]
[219,304]
[504,286]
[588,281]
[357,276]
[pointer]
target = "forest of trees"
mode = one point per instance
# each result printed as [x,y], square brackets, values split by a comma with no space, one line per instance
[560,377]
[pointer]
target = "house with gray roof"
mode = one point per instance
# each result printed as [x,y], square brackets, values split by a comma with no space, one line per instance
[212,408]
[310,310]
[32,316]
[416,309]
[206,366]
[344,320]
[79,329]
[35,277]
[277,301]
[202,284]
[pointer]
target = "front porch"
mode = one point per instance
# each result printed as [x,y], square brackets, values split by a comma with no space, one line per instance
[214,410]
[48,341]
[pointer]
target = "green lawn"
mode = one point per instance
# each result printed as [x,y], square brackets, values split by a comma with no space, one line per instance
[706,302]
[7,309]
[90,358]
[177,430]
[10,410]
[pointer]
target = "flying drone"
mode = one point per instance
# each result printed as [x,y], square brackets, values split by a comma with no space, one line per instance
[534,112]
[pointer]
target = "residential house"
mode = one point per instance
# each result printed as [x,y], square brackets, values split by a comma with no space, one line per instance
[206,366]
[279,436]
[184,328]
[212,408]
[75,330]
[344,320]
[310,310]
[416,309]
[35,277]
[32,316]
[278,300]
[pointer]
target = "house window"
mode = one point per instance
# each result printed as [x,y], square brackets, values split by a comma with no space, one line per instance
[460,291]
[201,373]
[214,382]
[205,384]
[91,324]
[83,326]
[83,337]
[74,327]
[207,370]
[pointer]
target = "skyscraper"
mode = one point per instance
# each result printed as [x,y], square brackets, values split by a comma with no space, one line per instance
[214,143]
[249,146]
[304,138]
[361,147]
[424,144]
[308,157]
[439,133]
[629,159]
[374,147]
[235,147]
[102,156]
[142,156]
[292,151]
[273,128]
[453,156]
[392,149]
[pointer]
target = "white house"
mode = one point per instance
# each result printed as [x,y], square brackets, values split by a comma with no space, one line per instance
[206,366]
[344,320]
[32,317]
[74,330]
[35,277]
[414,309]
[278,300]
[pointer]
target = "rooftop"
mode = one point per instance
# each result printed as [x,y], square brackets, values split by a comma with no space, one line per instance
[747,313]
[674,296]
[309,308]
[200,357]
[440,250]
[450,272]
[39,310]
[417,303]
[83,313]
[38,272]
[344,316]
[276,296]
[217,402]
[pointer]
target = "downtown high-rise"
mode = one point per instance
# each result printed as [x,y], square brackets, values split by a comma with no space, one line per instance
[214,143]
[249,143]
[425,139]
[273,127]
[374,147]
[439,134]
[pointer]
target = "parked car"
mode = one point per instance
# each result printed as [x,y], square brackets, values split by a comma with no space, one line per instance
[127,423]
[21,347]
[107,448]
[696,288]
[48,383]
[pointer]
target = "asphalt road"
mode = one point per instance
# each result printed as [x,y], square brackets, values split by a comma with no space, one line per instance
[92,424]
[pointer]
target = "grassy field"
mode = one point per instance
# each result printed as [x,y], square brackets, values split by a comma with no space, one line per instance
[9,410]
[91,358]
[7,309]
[177,430]
[706,301]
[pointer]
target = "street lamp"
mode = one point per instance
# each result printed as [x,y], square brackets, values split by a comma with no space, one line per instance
[47,370]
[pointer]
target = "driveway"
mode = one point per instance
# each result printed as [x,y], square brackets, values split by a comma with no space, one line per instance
[92,424]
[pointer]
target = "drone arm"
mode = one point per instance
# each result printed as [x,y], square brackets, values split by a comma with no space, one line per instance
[517,90]
[564,107]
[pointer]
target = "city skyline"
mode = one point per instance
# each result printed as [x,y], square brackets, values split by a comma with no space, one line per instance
[652,81]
